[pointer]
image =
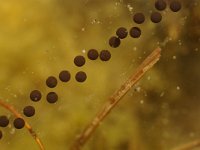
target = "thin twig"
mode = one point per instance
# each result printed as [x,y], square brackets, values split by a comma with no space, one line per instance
[27,125]
[189,146]
[115,98]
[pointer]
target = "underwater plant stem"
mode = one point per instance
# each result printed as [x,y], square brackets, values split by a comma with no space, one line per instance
[189,146]
[27,125]
[147,64]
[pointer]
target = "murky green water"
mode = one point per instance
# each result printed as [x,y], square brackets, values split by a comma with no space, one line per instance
[39,39]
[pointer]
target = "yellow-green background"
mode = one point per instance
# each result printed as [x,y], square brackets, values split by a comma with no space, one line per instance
[39,38]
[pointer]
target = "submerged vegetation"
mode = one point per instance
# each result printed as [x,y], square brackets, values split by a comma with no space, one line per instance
[60,61]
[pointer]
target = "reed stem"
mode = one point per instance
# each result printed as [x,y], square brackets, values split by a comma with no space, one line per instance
[27,125]
[147,64]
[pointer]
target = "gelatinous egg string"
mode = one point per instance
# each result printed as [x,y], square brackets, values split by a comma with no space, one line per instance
[92,54]
[139,18]
[114,42]
[80,60]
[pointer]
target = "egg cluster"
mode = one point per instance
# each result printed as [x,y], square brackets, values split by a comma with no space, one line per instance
[139,18]
[92,54]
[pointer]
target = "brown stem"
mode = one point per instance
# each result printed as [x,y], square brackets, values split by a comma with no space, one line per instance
[189,146]
[27,125]
[115,98]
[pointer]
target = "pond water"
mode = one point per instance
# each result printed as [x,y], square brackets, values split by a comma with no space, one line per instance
[61,60]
